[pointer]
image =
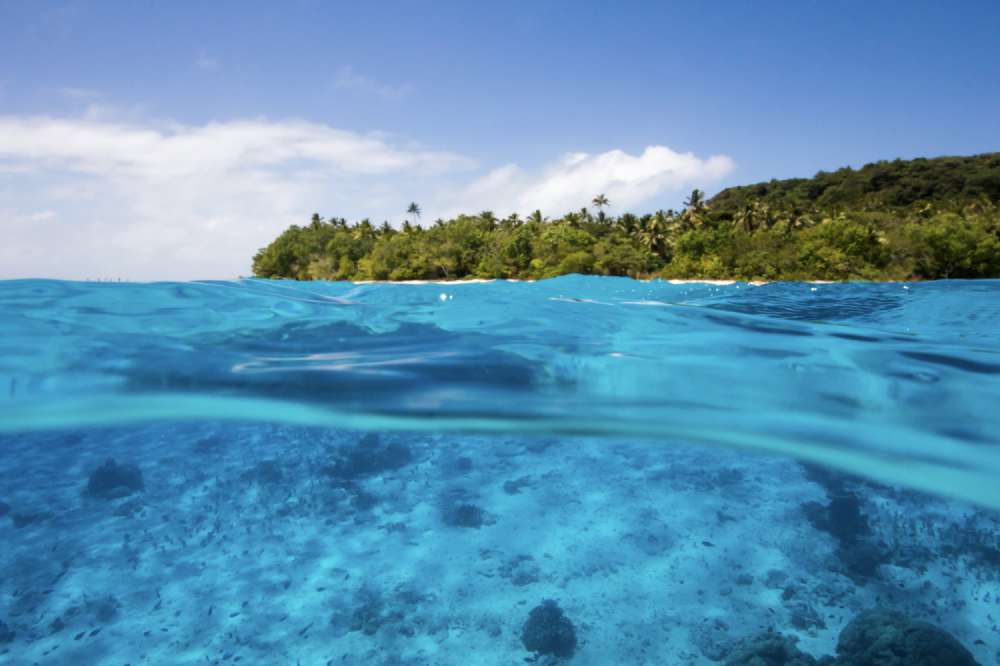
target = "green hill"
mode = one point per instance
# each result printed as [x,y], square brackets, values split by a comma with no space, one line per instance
[904,219]
[879,185]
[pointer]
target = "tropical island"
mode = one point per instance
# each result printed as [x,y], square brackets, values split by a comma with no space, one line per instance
[892,220]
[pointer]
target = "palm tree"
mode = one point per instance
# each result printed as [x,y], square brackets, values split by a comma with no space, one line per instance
[652,232]
[691,217]
[746,217]
[696,201]
[600,201]
[413,210]
[512,221]
[628,223]
[364,230]
[489,218]
[537,217]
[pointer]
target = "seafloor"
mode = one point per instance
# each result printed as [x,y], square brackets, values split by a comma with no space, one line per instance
[284,545]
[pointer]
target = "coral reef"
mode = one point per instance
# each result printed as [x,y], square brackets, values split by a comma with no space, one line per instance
[843,519]
[369,457]
[29,518]
[373,612]
[876,637]
[105,609]
[881,637]
[464,515]
[520,570]
[458,509]
[6,635]
[112,480]
[770,649]
[712,639]
[548,631]
[514,486]
[265,472]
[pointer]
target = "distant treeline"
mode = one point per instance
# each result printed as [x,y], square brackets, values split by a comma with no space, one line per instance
[913,219]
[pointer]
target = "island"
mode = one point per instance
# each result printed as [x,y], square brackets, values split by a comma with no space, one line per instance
[919,219]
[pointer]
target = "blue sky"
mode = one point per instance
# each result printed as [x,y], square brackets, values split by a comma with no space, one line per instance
[105,106]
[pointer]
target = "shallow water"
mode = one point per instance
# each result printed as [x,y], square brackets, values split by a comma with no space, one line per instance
[338,473]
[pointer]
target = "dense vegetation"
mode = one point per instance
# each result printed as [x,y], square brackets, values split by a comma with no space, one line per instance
[923,218]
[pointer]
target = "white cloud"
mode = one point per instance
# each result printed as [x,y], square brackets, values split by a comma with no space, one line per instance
[347,79]
[145,202]
[571,182]
[89,197]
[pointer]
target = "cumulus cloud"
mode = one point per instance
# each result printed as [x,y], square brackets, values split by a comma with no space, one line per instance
[90,197]
[143,202]
[571,182]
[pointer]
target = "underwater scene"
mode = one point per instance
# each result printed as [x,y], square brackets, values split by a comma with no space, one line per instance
[582,470]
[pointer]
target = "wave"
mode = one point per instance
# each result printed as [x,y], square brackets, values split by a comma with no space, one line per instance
[898,382]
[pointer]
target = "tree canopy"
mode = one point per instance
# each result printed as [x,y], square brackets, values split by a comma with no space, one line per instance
[916,219]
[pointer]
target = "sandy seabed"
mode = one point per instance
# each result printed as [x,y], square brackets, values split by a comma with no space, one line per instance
[267,544]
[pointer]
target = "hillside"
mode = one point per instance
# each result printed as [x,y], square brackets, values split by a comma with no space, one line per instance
[896,183]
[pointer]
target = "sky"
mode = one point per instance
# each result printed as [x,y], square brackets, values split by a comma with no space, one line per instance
[150,141]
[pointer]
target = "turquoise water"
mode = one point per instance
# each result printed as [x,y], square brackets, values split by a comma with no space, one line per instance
[386,473]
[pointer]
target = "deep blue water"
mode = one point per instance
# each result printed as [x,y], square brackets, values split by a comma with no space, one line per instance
[385,473]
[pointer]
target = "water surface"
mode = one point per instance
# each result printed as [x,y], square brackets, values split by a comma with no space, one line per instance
[389,473]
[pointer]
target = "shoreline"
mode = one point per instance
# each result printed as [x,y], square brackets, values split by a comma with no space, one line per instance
[718,283]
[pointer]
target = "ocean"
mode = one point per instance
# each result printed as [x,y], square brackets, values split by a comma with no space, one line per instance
[583,470]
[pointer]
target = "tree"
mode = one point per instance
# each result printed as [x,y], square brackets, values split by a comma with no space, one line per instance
[489,219]
[695,200]
[652,232]
[364,230]
[512,221]
[414,210]
[628,223]
[693,215]
[889,221]
[600,201]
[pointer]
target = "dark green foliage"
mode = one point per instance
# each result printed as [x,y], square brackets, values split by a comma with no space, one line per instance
[896,183]
[917,219]
[549,631]
[887,638]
